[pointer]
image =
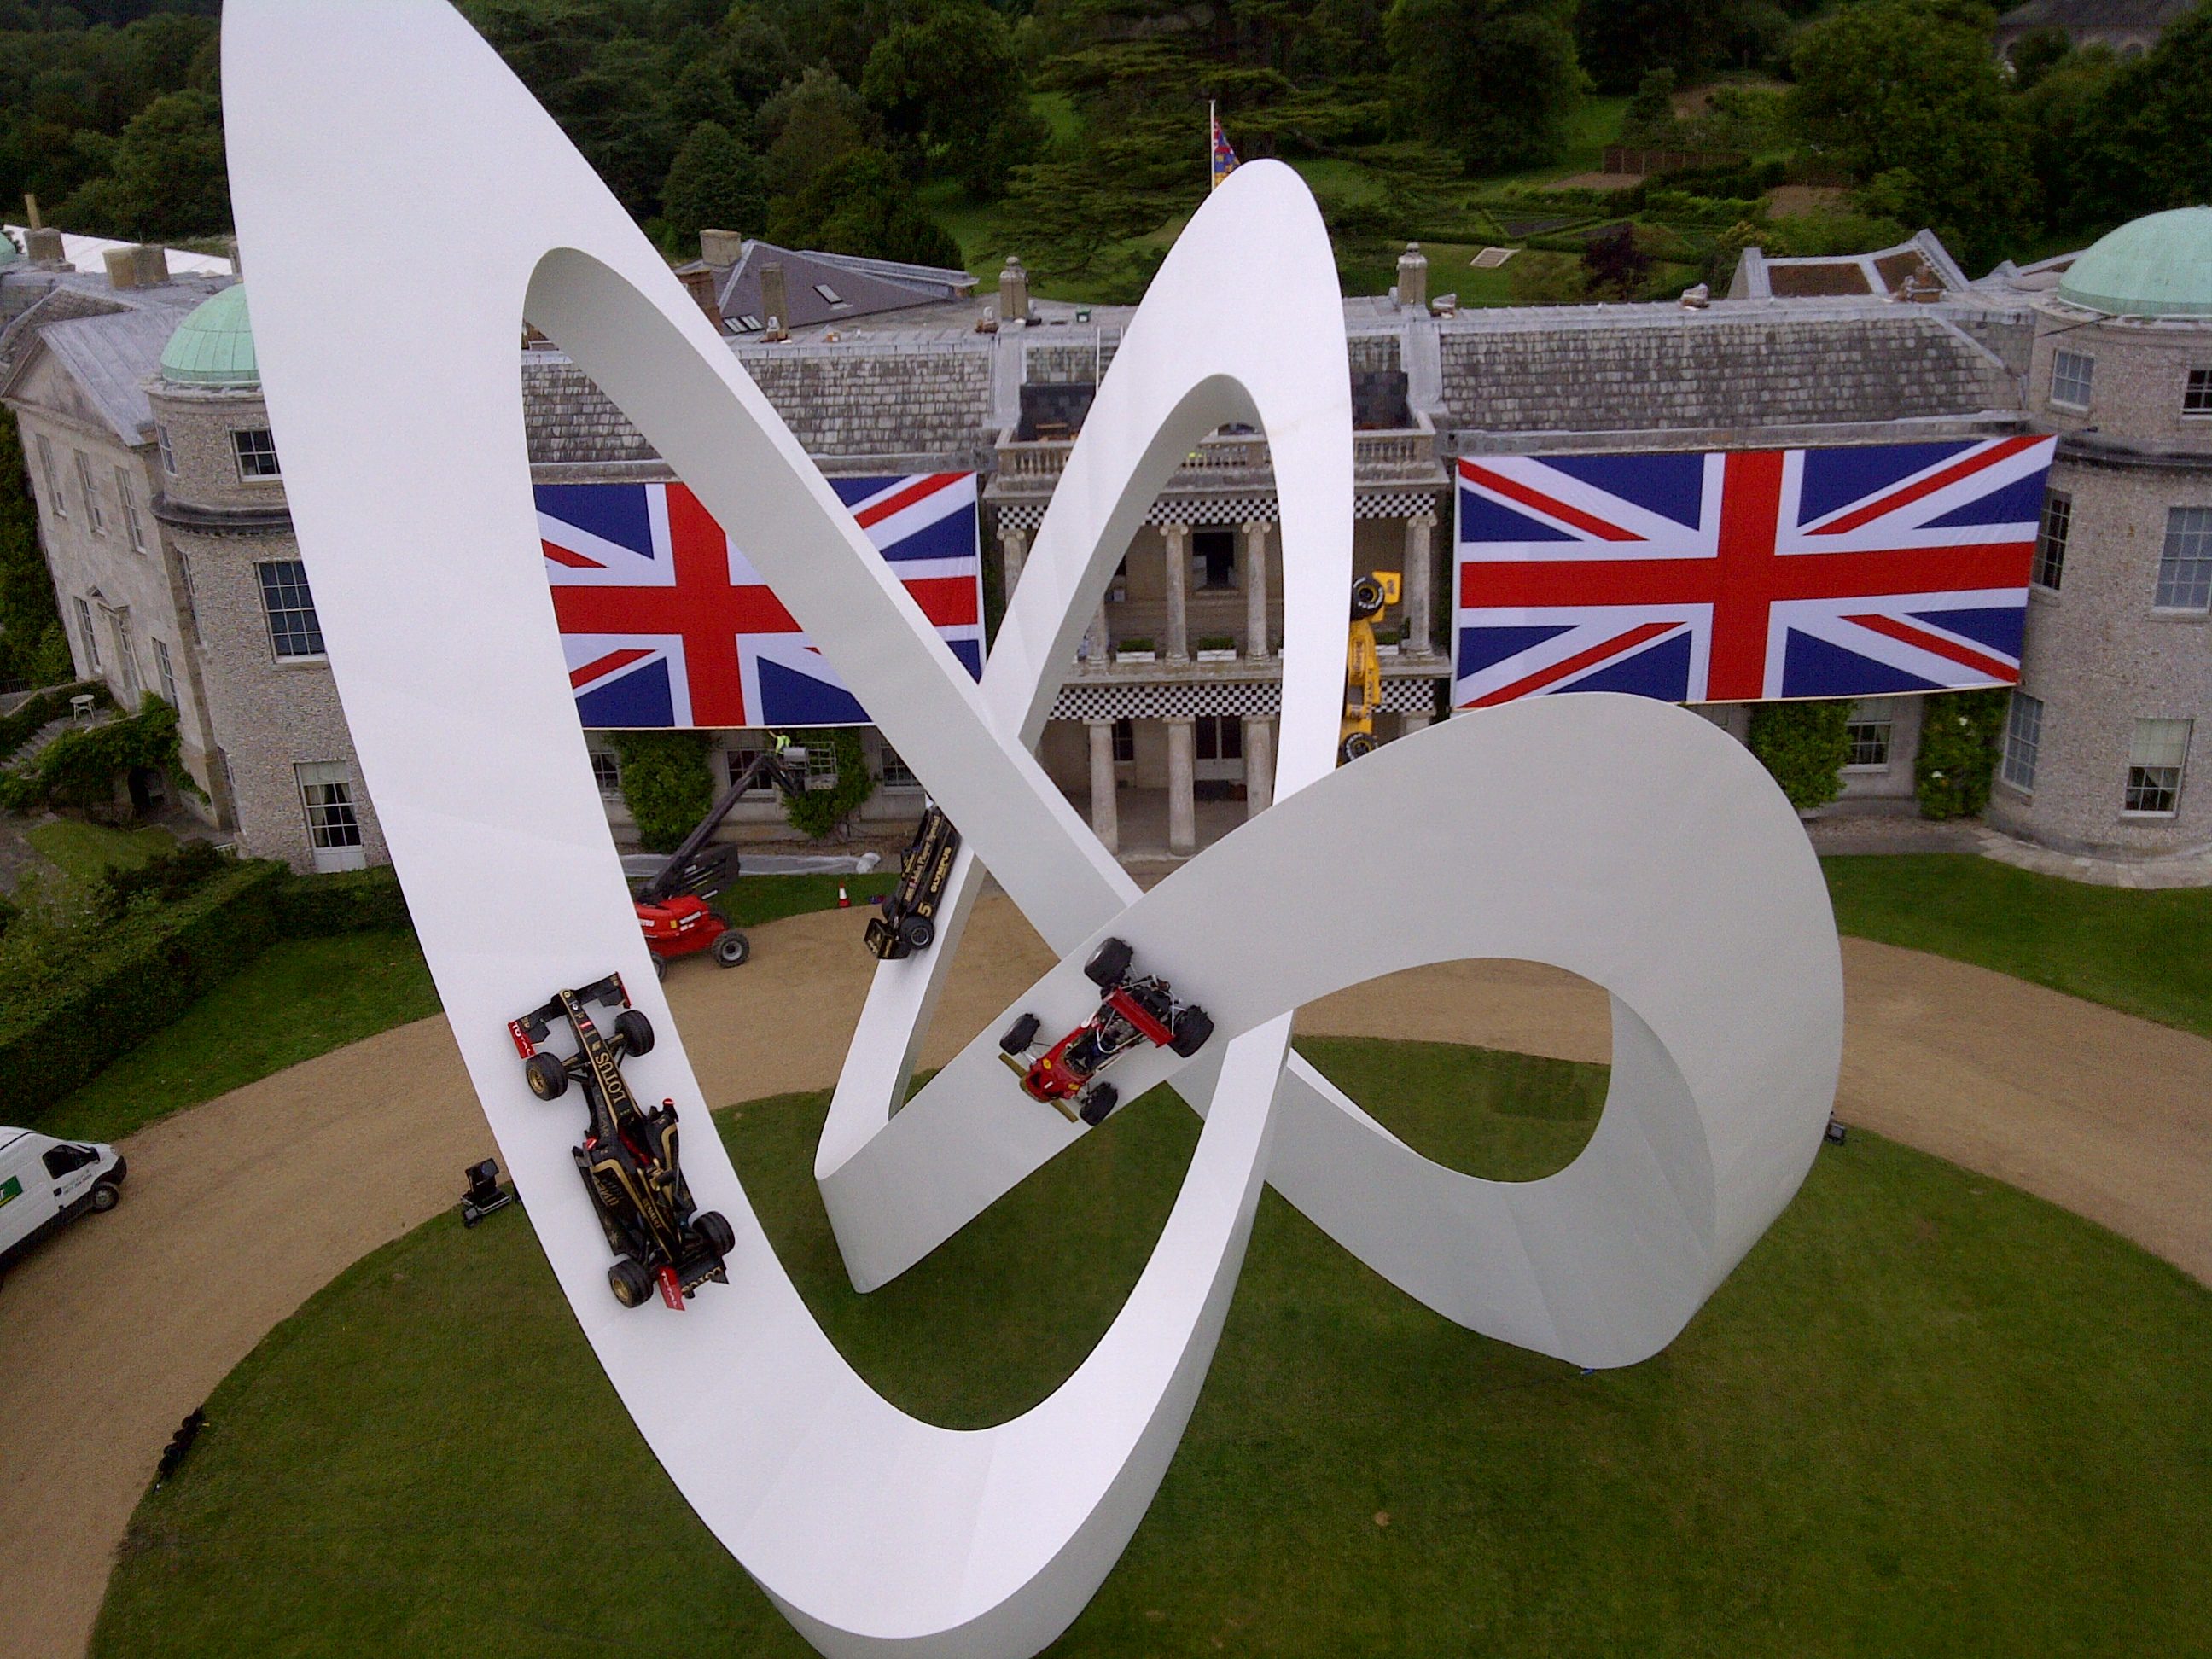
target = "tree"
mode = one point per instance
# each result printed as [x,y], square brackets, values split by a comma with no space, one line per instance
[165,175]
[2149,145]
[813,123]
[1911,85]
[862,205]
[1493,80]
[1650,117]
[948,81]
[714,183]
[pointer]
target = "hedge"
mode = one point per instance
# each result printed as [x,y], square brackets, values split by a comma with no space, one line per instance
[159,966]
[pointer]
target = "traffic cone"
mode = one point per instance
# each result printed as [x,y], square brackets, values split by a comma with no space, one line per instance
[844,902]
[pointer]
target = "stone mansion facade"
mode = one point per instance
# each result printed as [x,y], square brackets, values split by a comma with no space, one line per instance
[161,501]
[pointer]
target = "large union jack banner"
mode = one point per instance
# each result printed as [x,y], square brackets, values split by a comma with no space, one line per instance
[664,622]
[1747,576]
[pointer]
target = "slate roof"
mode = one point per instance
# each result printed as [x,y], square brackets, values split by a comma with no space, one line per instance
[1660,368]
[111,358]
[854,287]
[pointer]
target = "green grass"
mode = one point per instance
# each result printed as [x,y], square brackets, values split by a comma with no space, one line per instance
[302,999]
[84,852]
[753,900]
[2145,953]
[1927,1415]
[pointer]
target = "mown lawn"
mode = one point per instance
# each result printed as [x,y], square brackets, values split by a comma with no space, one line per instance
[1928,1415]
[84,852]
[2146,953]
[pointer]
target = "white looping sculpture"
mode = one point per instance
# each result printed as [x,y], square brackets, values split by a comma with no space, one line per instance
[1630,842]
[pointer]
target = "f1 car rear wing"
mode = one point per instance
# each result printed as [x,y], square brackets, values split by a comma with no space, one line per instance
[534,1027]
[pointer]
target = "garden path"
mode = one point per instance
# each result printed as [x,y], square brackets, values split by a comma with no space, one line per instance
[237,1211]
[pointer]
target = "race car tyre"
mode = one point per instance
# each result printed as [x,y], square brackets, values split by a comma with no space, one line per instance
[1191,1031]
[1366,598]
[106,1196]
[733,948]
[549,1078]
[1099,1104]
[1022,1033]
[919,933]
[660,967]
[1358,743]
[631,1284]
[1108,963]
[635,1031]
[714,1228]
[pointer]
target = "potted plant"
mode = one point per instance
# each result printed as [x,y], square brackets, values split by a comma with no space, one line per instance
[1217,648]
[1135,650]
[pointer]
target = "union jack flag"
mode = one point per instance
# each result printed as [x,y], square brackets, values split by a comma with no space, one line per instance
[1223,159]
[664,622]
[1747,576]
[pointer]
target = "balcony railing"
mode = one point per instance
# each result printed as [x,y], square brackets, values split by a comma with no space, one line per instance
[1403,455]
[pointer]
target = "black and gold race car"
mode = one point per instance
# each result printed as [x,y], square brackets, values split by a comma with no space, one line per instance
[628,1157]
[909,921]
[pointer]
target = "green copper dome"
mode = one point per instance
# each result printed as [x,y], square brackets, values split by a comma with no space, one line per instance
[2159,266]
[9,251]
[214,346]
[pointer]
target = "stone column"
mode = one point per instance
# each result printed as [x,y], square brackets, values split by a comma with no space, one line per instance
[1176,541]
[1182,787]
[1013,548]
[1259,767]
[1105,812]
[1255,589]
[1420,556]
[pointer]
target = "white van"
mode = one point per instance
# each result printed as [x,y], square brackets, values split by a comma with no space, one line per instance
[46,1183]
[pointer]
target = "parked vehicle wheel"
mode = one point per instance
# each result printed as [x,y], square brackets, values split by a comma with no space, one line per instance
[1098,1105]
[1022,1033]
[919,933]
[1191,1031]
[1108,962]
[1358,743]
[660,967]
[635,1031]
[733,948]
[630,1283]
[106,1196]
[549,1077]
[714,1228]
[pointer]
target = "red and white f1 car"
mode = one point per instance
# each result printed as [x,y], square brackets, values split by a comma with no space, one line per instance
[1134,1009]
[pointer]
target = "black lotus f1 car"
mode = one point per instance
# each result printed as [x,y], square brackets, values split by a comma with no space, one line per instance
[1133,1009]
[628,1157]
[909,921]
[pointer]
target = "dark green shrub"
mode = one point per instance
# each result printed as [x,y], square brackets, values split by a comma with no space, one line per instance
[665,780]
[1804,746]
[353,902]
[164,879]
[1959,737]
[818,813]
[150,968]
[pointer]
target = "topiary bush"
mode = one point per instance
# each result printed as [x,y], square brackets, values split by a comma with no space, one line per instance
[1961,734]
[1803,745]
[817,813]
[666,783]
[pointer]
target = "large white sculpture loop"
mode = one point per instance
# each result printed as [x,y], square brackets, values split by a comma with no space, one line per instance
[1629,842]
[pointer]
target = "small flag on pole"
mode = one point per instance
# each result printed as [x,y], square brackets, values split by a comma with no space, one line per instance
[1224,158]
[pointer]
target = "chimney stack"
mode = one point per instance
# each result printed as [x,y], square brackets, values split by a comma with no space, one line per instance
[1013,294]
[122,267]
[31,219]
[150,264]
[721,248]
[699,283]
[1414,277]
[43,245]
[776,306]
[237,258]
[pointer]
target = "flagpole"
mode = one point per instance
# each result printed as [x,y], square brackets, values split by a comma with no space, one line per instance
[1212,126]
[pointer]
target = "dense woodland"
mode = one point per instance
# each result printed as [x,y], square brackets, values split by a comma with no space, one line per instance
[904,128]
